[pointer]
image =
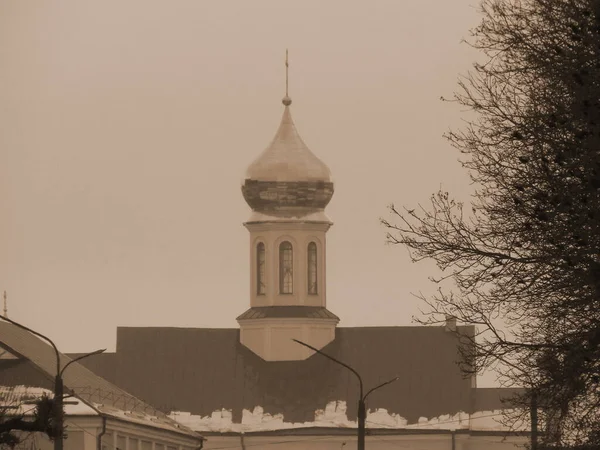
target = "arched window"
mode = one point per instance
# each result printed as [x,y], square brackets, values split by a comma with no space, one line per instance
[312,268]
[286,268]
[260,269]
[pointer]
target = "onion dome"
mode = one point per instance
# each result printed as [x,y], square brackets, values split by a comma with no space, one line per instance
[287,178]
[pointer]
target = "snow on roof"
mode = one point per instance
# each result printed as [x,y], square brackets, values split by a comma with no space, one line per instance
[237,379]
[93,391]
[334,416]
[141,418]
[19,399]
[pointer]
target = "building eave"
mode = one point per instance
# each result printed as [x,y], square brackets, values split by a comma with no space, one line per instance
[345,431]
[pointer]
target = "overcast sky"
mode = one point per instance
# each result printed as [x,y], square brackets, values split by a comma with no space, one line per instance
[126,128]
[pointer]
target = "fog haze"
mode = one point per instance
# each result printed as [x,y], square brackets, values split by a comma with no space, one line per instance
[126,128]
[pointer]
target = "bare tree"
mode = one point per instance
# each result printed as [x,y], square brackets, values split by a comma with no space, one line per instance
[524,254]
[19,417]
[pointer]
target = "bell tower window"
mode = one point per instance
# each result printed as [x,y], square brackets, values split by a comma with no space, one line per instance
[312,268]
[260,269]
[286,268]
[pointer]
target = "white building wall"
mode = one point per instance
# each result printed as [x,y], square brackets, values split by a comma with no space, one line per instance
[82,433]
[299,235]
[378,442]
[271,339]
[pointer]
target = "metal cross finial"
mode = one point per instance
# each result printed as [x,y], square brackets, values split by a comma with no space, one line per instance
[286,100]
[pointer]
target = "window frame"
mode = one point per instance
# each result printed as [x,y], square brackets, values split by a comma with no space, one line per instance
[261,269]
[286,277]
[312,267]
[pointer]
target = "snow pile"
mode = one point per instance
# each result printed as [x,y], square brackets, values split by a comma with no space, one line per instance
[258,418]
[218,421]
[334,416]
[458,421]
[380,418]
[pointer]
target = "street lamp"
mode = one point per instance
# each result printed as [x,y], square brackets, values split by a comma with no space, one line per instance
[362,411]
[58,381]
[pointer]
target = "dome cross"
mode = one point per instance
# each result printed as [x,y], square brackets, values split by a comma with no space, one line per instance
[287,101]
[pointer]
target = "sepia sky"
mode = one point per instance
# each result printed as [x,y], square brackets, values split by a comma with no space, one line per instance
[126,128]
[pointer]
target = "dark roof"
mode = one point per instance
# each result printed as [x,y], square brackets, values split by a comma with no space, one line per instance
[102,365]
[17,372]
[203,370]
[489,399]
[103,396]
[266,312]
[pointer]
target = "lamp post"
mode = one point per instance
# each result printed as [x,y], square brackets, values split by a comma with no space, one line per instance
[534,420]
[58,381]
[362,410]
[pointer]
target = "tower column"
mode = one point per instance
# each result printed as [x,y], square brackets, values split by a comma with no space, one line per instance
[287,187]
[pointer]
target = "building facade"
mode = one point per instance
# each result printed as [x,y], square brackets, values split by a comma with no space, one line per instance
[256,386]
[98,414]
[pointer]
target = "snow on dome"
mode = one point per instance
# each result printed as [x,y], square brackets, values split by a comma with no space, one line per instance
[288,158]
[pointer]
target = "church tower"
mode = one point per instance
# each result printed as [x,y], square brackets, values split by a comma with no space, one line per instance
[288,188]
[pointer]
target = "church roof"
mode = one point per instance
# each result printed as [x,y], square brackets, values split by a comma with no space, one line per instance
[201,371]
[36,367]
[287,158]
